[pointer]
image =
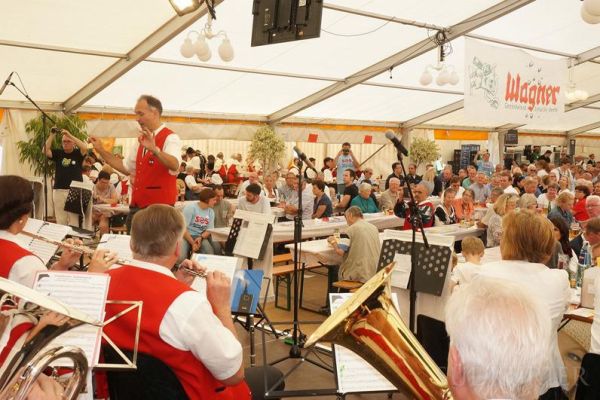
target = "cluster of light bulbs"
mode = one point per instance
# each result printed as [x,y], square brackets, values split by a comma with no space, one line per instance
[590,11]
[445,74]
[200,48]
[573,94]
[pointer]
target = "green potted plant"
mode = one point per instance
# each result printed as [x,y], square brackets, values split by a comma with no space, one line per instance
[424,151]
[268,148]
[31,150]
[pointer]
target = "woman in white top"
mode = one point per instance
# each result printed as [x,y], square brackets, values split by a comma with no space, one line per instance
[505,204]
[269,190]
[444,212]
[527,243]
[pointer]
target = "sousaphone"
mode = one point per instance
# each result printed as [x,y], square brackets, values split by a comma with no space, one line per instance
[369,325]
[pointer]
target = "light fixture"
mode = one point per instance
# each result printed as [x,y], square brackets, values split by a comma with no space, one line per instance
[200,47]
[572,94]
[446,74]
[183,7]
[590,11]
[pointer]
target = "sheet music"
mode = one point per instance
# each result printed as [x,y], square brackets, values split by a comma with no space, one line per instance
[250,239]
[118,244]
[42,249]
[355,375]
[82,290]
[226,265]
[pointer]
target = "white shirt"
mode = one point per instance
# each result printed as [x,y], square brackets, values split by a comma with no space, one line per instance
[463,273]
[242,188]
[190,325]
[543,201]
[595,344]
[190,181]
[172,147]
[328,176]
[552,287]
[25,269]
[263,205]
[541,173]
[511,190]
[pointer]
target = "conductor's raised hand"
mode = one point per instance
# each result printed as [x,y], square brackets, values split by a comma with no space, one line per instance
[218,290]
[146,139]
[96,142]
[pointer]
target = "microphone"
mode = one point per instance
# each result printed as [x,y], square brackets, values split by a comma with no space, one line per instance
[6,82]
[399,146]
[303,157]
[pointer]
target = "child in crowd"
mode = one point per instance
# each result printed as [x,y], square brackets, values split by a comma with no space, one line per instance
[472,251]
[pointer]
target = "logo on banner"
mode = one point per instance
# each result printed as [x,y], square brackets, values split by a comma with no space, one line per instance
[510,85]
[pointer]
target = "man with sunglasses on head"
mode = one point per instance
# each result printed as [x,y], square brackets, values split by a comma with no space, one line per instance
[344,160]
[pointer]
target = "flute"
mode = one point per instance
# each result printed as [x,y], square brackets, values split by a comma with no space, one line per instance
[199,274]
[77,248]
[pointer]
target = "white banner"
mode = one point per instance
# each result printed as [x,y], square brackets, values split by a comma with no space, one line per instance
[506,85]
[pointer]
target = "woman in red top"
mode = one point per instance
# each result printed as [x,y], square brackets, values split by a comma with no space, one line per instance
[579,211]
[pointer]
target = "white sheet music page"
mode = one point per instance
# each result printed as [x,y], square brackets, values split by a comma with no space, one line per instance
[250,239]
[84,291]
[354,374]
[42,249]
[118,244]
[224,264]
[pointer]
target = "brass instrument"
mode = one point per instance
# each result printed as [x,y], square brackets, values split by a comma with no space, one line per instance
[76,248]
[369,325]
[22,370]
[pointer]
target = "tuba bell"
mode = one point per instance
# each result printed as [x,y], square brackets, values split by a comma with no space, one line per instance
[24,366]
[369,325]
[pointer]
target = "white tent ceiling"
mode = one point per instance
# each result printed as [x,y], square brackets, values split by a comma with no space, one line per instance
[60,47]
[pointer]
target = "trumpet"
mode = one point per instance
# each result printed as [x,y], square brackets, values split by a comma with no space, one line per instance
[76,248]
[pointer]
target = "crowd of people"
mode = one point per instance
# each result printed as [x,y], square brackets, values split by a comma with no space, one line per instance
[545,218]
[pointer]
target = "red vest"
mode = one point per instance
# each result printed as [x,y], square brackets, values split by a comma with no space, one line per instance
[10,253]
[158,292]
[124,188]
[154,184]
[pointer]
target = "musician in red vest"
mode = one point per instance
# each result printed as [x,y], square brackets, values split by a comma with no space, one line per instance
[152,163]
[16,262]
[190,332]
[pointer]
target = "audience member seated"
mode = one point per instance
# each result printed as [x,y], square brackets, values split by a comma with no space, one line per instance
[547,201]
[472,251]
[563,256]
[350,190]
[505,204]
[530,186]
[412,178]
[270,190]
[595,342]
[396,173]
[253,201]
[390,197]
[506,183]
[199,217]
[103,193]
[362,253]
[292,203]
[367,177]
[527,244]
[425,207]
[429,181]
[286,190]
[364,201]
[322,207]
[192,333]
[502,355]
[223,208]
[589,237]
[592,205]
[17,263]
[464,206]
[455,184]
[252,178]
[480,188]
[528,202]
[564,205]
[444,212]
[192,188]
[579,208]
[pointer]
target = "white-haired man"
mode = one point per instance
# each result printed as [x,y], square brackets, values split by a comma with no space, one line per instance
[390,197]
[501,356]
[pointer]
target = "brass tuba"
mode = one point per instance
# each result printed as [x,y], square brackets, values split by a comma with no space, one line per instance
[21,370]
[369,325]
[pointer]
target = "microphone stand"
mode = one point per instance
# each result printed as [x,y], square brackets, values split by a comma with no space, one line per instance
[44,118]
[416,222]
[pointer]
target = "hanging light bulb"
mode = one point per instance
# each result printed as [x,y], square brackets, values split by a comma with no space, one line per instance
[201,48]
[443,77]
[570,96]
[226,50]
[592,7]
[426,77]
[589,17]
[453,80]
[581,95]
[187,48]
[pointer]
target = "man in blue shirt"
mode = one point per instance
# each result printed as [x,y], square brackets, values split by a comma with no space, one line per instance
[484,165]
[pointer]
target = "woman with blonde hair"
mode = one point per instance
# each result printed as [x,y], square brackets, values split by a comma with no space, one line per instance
[527,202]
[505,204]
[429,180]
[527,243]
[564,207]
